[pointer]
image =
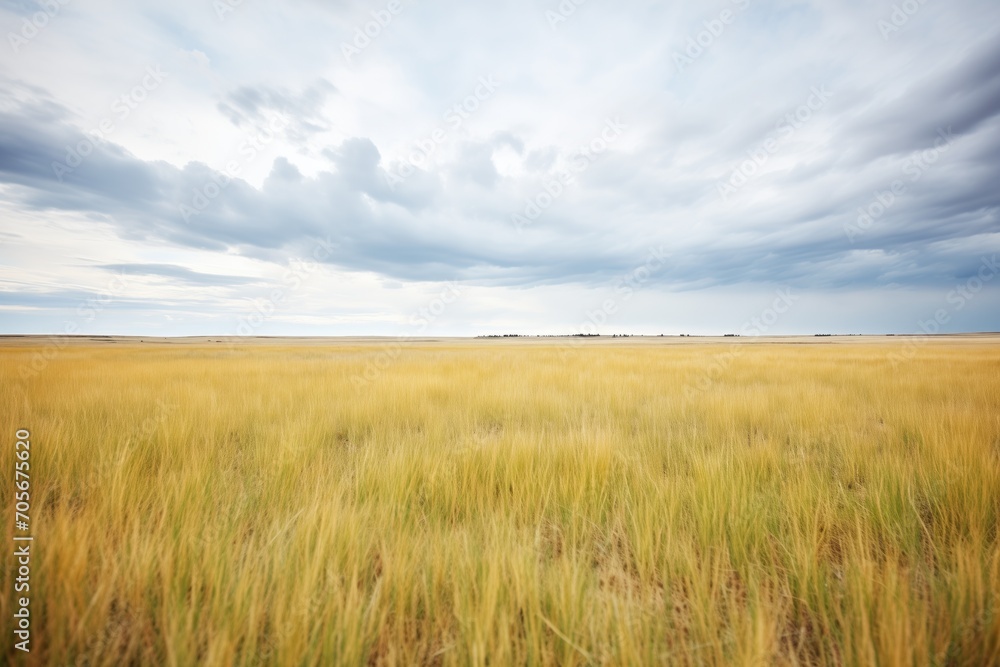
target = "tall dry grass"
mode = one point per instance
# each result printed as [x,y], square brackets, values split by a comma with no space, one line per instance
[501,503]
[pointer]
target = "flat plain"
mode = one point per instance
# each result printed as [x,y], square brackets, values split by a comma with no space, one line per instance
[829,501]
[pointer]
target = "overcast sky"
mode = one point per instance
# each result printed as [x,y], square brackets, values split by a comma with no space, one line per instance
[458,168]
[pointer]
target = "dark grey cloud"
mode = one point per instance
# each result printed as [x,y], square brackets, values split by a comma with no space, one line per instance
[892,102]
[957,99]
[409,240]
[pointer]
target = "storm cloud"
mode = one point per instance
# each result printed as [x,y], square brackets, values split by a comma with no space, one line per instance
[761,145]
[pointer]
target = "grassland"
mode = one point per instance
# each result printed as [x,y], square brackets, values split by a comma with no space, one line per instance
[500,502]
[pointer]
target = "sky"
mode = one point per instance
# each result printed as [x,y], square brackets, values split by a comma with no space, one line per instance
[410,168]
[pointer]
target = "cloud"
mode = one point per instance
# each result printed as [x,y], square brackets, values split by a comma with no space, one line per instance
[731,163]
[254,107]
[475,163]
[179,273]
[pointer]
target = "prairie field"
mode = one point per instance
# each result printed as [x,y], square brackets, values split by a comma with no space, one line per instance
[538,502]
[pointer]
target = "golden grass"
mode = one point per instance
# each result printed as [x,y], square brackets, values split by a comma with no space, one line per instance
[501,503]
